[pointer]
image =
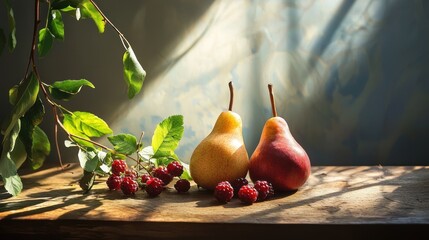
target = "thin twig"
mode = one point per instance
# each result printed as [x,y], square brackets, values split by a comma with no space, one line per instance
[121,36]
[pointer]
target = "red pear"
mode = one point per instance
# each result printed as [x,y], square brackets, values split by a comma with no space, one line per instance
[279,158]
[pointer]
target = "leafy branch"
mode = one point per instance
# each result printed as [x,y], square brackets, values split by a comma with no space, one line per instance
[23,139]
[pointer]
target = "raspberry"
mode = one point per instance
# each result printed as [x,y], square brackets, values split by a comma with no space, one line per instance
[145,177]
[129,186]
[238,183]
[175,168]
[114,182]
[154,186]
[248,194]
[224,192]
[265,190]
[162,173]
[118,166]
[130,173]
[182,185]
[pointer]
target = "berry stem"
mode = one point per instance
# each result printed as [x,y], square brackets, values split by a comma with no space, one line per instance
[231,95]
[273,102]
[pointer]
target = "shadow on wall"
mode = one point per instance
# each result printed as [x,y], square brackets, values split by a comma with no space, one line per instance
[350,77]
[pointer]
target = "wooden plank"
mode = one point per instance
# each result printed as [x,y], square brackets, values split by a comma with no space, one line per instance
[332,196]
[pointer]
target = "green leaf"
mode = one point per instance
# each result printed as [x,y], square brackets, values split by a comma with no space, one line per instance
[64,90]
[45,41]
[36,142]
[18,154]
[2,40]
[90,125]
[12,28]
[186,173]
[26,97]
[40,149]
[87,181]
[36,113]
[167,136]
[124,143]
[13,95]
[69,125]
[12,182]
[134,74]
[56,24]
[88,160]
[89,11]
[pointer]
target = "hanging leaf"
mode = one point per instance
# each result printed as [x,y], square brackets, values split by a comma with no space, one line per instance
[124,143]
[134,74]
[36,113]
[13,95]
[18,154]
[87,181]
[11,179]
[40,148]
[12,28]
[56,24]
[36,142]
[88,10]
[90,125]
[26,97]
[69,125]
[88,160]
[64,90]
[2,40]
[45,41]
[167,136]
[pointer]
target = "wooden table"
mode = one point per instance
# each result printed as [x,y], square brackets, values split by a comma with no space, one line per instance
[336,203]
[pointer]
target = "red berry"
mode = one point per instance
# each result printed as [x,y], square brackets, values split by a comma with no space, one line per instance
[238,183]
[265,190]
[224,192]
[130,173]
[114,182]
[118,166]
[248,194]
[145,177]
[129,186]
[154,186]
[162,173]
[175,168]
[182,185]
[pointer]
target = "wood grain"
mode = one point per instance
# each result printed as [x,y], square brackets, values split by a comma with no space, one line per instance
[334,198]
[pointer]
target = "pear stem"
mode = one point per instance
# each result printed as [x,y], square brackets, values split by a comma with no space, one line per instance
[273,102]
[231,95]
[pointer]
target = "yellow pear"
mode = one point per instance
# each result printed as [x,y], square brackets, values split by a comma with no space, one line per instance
[222,155]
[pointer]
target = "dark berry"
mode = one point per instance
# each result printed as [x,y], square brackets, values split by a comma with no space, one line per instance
[154,186]
[175,168]
[248,194]
[129,186]
[224,192]
[145,177]
[265,190]
[118,167]
[162,173]
[114,182]
[238,183]
[182,185]
[130,173]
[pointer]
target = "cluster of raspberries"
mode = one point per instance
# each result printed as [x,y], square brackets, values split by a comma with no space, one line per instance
[129,182]
[247,193]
